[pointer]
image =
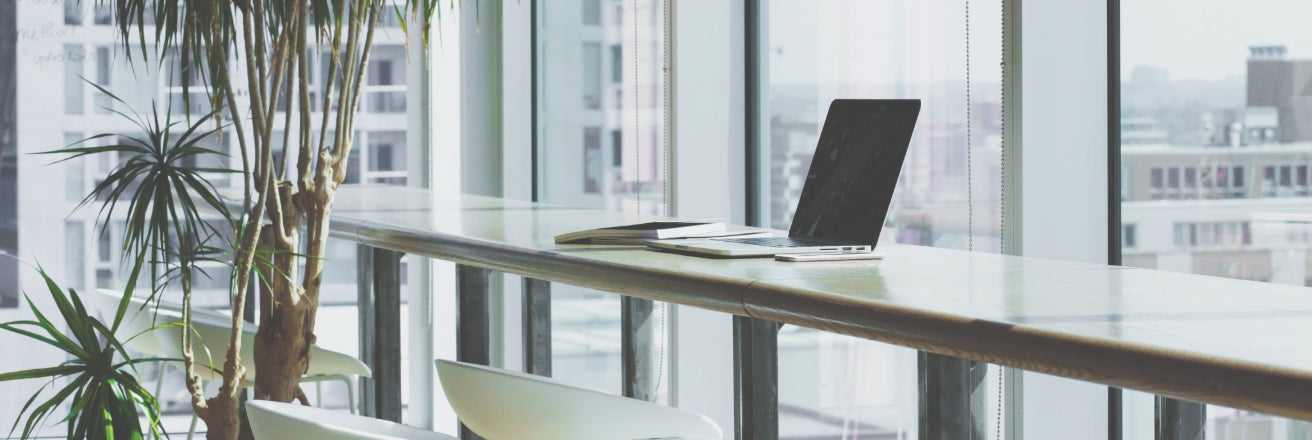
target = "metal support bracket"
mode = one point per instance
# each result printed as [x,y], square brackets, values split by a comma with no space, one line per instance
[756,378]
[1180,419]
[952,393]
[379,293]
[537,327]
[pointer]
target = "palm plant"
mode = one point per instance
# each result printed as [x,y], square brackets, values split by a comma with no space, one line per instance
[252,56]
[99,382]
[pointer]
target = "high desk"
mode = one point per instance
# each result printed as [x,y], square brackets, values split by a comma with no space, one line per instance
[1203,339]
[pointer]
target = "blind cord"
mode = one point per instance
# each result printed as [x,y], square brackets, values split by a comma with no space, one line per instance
[1002,197]
[665,179]
[637,157]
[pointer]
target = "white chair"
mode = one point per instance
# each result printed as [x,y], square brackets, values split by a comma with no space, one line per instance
[505,405]
[277,420]
[212,333]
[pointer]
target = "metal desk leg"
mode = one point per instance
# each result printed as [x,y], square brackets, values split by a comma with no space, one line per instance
[380,331]
[364,265]
[1180,419]
[537,327]
[638,341]
[952,395]
[472,321]
[756,378]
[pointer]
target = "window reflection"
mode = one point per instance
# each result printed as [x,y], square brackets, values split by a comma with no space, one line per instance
[813,52]
[1216,143]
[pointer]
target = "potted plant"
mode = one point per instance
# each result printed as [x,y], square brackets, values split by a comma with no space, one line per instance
[252,56]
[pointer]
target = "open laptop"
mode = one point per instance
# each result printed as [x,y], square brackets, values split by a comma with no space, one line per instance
[847,191]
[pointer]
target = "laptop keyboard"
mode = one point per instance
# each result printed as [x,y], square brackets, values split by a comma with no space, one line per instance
[780,242]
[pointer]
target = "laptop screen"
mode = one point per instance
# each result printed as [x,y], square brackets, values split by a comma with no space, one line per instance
[855,169]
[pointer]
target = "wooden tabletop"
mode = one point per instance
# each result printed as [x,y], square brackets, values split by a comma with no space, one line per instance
[1236,343]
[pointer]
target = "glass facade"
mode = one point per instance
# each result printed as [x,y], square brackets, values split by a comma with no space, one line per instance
[1215,154]
[948,193]
[1216,142]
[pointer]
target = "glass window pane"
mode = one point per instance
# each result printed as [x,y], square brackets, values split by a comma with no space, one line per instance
[814,52]
[73,11]
[601,145]
[75,172]
[591,76]
[1226,99]
[73,74]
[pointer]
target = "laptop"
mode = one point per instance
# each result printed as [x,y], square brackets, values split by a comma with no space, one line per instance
[847,191]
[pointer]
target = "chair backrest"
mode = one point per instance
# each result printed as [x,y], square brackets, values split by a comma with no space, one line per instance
[212,334]
[137,322]
[505,405]
[277,420]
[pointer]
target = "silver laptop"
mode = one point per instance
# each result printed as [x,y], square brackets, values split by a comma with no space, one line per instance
[847,191]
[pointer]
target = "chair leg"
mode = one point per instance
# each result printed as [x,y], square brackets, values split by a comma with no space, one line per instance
[159,385]
[318,394]
[350,394]
[191,432]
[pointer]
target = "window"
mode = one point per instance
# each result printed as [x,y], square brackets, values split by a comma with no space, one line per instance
[73,73]
[104,104]
[104,12]
[73,13]
[1158,182]
[591,12]
[385,92]
[616,64]
[814,52]
[1238,181]
[75,188]
[1300,180]
[1229,111]
[591,76]
[601,145]
[592,160]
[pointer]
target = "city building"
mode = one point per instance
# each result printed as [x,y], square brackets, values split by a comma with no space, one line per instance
[1235,208]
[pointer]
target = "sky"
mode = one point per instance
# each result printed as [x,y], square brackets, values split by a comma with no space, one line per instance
[1191,39]
[882,40]
[1209,39]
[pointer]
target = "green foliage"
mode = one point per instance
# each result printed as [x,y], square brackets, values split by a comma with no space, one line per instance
[165,191]
[98,382]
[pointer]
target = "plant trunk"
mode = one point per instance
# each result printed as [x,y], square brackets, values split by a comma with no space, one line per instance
[282,344]
[222,418]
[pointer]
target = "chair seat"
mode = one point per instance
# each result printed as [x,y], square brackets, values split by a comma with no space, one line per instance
[505,405]
[277,420]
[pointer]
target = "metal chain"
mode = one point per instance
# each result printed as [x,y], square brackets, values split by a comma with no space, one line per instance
[665,133]
[970,162]
[1002,195]
[637,140]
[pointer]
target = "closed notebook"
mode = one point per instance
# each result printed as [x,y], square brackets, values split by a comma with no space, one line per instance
[646,231]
